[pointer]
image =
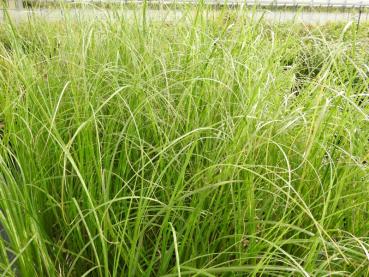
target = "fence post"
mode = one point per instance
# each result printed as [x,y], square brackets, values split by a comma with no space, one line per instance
[359,18]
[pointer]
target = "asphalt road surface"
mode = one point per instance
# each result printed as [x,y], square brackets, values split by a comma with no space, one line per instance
[307,17]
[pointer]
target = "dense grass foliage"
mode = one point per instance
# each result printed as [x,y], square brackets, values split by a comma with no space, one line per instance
[212,145]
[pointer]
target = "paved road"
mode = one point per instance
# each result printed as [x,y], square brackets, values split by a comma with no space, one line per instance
[310,3]
[308,17]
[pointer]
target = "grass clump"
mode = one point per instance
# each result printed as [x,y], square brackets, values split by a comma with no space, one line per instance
[210,145]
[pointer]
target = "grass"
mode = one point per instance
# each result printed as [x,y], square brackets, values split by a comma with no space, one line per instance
[211,145]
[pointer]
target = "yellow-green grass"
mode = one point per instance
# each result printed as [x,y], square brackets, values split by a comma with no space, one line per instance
[207,146]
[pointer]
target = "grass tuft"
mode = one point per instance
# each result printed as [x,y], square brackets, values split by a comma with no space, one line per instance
[203,145]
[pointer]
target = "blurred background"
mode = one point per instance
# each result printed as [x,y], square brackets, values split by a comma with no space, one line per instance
[305,11]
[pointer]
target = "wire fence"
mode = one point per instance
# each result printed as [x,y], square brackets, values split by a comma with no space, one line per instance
[263,3]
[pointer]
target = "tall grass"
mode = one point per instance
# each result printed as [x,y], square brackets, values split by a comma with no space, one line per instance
[210,145]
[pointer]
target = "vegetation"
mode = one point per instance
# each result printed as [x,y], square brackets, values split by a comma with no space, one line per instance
[156,4]
[209,145]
